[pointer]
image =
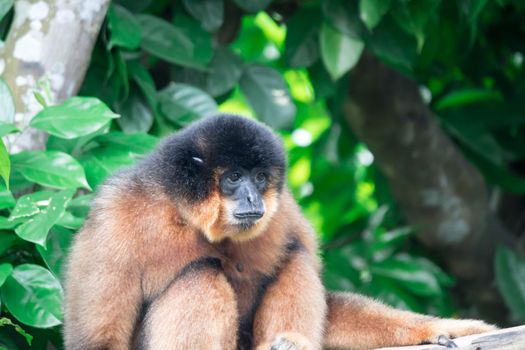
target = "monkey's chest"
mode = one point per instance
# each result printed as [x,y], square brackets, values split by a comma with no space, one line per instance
[248,284]
[249,287]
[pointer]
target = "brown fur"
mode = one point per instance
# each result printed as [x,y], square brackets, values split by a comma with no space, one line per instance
[368,324]
[137,241]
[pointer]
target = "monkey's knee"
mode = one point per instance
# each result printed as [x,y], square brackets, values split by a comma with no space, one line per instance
[199,311]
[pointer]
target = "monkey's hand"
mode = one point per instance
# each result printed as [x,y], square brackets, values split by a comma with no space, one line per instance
[288,341]
[443,330]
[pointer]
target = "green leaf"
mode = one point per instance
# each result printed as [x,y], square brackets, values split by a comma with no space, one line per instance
[36,228]
[143,79]
[70,221]
[428,265]
[413,16]
[467,96]
[183,104]
[210,13]
[392,45]
[371,11]
[342,274]
[50,168]
[173,44]
[201,39]
[5,6]
[408,271]
[301,48]
[6,198]
[344,16]
[339,52]
[7,322]
[34,296]
[392,293]
[321,81]
[138,143]
[472,9]
[124,27]
[7,106]
[80,205]
[77,116]
[102,162]
[510,278]
[479,139]
[268,95]
[6,224]
[136,114]
[137,5]
[30,204]
[74,146]
[487,111]
[5,163]
[40,98]
[121,73]
[57,247]
[253,5]
[224,73]
[5,271]
[7,128]
[251,42]
[386,242]
[7,240]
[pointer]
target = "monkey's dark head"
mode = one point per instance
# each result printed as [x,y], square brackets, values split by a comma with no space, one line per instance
[225,173]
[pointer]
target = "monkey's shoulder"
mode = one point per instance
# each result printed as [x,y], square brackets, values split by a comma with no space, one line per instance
[130,211]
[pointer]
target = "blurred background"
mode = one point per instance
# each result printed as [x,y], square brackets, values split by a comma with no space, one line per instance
[404,122]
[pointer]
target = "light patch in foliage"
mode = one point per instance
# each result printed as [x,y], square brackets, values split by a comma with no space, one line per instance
[39,11]
[29,47]
[89,9]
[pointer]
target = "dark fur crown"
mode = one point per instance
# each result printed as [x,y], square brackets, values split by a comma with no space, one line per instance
[224,141]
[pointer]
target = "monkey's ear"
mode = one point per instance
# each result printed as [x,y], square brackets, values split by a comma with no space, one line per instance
[197,160]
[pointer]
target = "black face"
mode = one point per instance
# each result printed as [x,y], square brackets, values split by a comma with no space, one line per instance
[245,188]
[186,163]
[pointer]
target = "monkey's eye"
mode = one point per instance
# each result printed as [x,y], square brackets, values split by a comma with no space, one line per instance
[234,177]
[260,177]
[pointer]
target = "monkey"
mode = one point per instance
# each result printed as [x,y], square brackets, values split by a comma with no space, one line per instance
[202,246]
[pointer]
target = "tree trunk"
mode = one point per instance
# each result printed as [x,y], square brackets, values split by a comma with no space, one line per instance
[48,49]
[441,194]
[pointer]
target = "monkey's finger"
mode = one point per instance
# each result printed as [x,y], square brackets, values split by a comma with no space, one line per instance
[284,344]
[446,341]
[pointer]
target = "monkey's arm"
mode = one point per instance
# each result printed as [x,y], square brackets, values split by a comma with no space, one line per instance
[358,322]
[197,310]
[292,312]
[102,300]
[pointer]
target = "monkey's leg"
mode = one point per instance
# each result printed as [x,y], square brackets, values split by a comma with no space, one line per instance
[358,322]
[197,311]
[292,312]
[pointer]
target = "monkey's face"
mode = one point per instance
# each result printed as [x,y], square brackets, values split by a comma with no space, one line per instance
[225,174]
[240,205]
[243,191]
[249,200]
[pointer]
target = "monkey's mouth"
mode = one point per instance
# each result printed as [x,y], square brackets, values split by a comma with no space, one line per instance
[245,223]
[247,220]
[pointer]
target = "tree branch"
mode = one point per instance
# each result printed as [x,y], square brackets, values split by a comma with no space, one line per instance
[440,192]
[503,339]
[49,42]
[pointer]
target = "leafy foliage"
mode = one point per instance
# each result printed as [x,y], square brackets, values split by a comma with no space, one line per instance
[510,276]
[159,65]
